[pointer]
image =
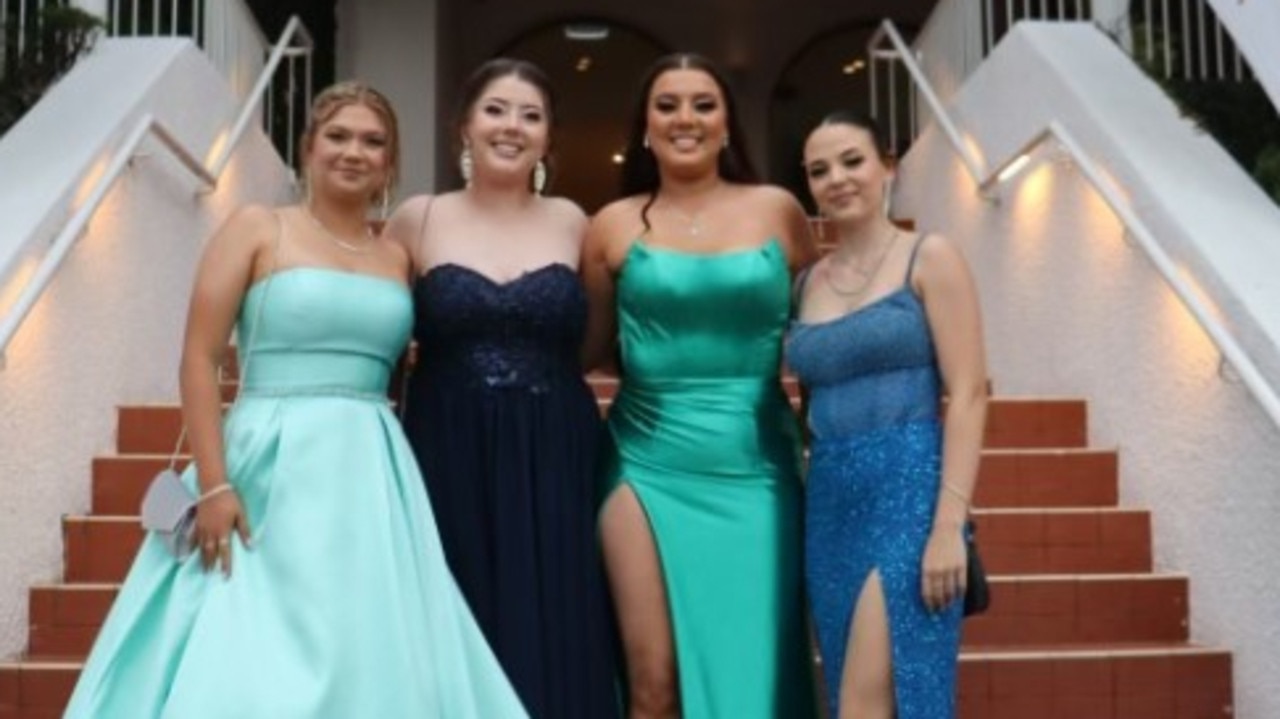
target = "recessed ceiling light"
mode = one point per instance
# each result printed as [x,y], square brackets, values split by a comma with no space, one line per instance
[586,32]
[584,63]
[618,158]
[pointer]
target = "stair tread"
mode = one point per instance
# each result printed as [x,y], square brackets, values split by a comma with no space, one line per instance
[1079,650]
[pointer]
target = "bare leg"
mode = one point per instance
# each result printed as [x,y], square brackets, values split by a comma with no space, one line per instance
[640,596]
[866,685]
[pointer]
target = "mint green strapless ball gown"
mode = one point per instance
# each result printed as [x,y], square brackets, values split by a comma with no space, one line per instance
[704,435]
[343,608]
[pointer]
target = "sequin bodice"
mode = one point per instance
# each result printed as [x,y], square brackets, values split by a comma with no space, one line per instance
[872,368]
[523,334]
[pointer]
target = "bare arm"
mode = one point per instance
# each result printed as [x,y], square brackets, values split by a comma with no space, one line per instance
[232,257]
[955,322]
[796,235]
[598,280]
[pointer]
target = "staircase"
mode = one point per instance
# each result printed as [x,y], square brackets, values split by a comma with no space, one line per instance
[1079,626]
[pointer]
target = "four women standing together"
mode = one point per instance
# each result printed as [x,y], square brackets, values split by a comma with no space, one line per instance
[690,502]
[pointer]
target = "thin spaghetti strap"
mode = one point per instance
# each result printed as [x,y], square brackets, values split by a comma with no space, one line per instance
[421,244]
[911,263]
[797,289]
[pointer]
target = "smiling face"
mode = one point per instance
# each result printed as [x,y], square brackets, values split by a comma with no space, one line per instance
[686,121]
[507,129]
[847,173]
[349,153]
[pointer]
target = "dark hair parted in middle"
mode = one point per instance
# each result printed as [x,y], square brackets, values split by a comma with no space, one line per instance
[640,169]
[862,122]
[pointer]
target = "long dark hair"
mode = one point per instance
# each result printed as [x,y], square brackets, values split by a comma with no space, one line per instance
[496,69]
[640,169]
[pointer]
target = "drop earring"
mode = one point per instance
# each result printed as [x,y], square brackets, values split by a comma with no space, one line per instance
[645,142]
[465,165]
[539,177]
[386,203]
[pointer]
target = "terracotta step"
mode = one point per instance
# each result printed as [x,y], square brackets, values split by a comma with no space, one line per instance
[1096,540]
[1012,423]
[1048,478]
[36,689]
[1135,681]
[99,548]
[1007,478]
[65,618]
[1081,609]
[1012,541]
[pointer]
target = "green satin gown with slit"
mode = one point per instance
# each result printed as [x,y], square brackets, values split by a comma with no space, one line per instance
[705,437]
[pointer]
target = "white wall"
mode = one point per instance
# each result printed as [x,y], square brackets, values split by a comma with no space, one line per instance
[108,329]
[1072,308]
[392,44]
[1255,26]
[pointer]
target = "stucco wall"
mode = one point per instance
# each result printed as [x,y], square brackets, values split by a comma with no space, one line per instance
[1074,308]
[107,330]
[393,44]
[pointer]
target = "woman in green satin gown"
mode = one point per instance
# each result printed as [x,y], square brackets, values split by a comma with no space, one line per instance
[701,523]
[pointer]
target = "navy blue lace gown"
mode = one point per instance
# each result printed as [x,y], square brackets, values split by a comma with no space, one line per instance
[507,433]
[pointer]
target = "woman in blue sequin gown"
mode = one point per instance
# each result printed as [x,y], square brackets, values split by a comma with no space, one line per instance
[885,322]
[319,589]
[502,421]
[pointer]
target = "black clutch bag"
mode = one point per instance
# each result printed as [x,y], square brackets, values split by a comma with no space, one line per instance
[977,594]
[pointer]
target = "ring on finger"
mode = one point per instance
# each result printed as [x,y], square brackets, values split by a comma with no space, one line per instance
[224,542]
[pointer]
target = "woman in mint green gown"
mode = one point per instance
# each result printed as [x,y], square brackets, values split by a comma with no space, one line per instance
[318,588]
[701,522]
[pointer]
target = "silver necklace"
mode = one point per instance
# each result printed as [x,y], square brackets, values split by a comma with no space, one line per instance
[692,221]
[362,249]
[868,275]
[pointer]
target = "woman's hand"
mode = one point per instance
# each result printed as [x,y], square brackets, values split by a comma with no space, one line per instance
[216,518]
[943,570]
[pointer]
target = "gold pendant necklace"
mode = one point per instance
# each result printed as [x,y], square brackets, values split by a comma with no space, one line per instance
[354,249]
[869,275]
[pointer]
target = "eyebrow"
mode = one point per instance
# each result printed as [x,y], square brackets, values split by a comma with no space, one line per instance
[507,103]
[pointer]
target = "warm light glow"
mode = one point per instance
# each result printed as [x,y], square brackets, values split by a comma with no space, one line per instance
[1013,168]
[618,158]
[584,63]
[586,32]
[18,279]
[853,67]
[90,182]
[216,148]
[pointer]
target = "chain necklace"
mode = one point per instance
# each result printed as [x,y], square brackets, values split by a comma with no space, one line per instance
[361,249]
[692,220]
[868,275]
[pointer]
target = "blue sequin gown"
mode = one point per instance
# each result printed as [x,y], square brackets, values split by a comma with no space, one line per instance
[508,434]
[872,487]
[344,606]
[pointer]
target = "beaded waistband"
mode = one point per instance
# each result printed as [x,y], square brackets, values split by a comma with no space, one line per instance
[335,391]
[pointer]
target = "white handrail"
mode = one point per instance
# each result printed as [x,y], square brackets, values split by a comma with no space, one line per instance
[903,53]
[73,230]
[1231,350]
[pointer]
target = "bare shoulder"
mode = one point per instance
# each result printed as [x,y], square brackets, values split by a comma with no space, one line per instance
[774,198]
[566,213]
[618,217]
[938,259]
[249,227]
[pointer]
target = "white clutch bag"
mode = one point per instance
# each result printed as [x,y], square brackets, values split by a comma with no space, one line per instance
[169,512]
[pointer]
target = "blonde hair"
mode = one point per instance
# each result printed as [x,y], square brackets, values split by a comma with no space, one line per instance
[353,92]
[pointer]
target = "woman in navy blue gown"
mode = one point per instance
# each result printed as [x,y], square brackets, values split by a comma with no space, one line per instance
[886,321]
[498,413]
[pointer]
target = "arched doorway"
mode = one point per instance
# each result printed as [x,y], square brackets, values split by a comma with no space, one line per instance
[829,73]
[595,69]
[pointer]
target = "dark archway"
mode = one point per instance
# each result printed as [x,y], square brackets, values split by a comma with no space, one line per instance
[830,72]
